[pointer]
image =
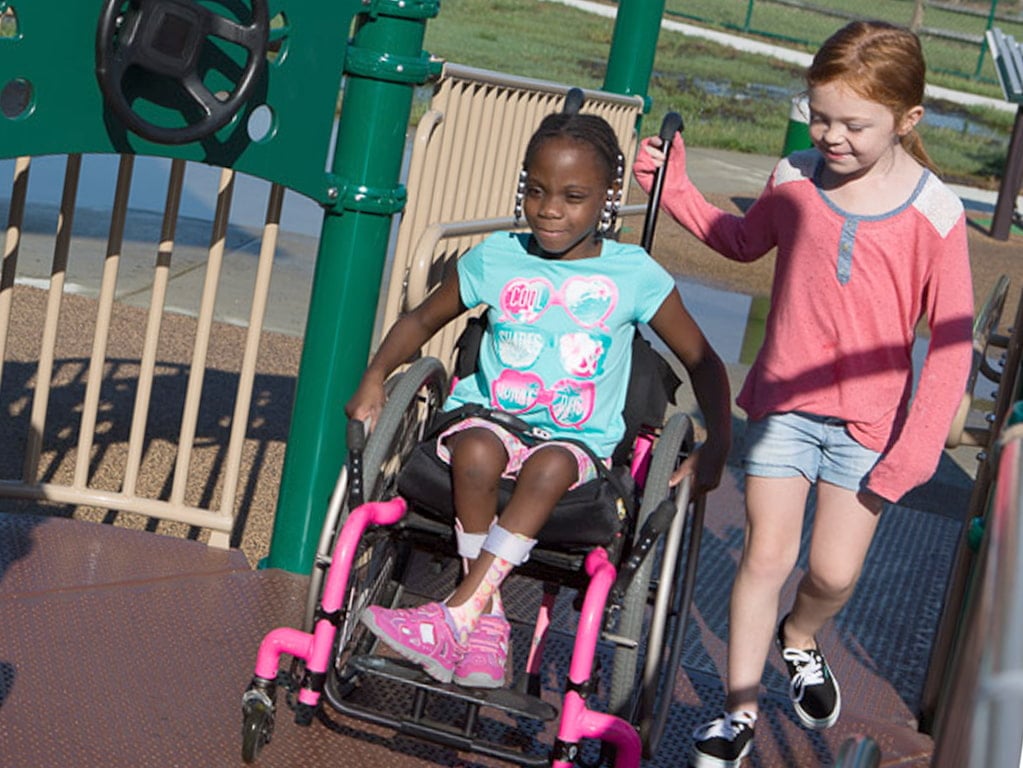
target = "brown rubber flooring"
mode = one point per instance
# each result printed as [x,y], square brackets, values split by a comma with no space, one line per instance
[124,648]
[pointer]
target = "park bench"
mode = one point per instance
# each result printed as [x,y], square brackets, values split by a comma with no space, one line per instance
[1008,60]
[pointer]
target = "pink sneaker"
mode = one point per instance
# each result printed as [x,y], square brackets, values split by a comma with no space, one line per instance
[485,659]
[422,635]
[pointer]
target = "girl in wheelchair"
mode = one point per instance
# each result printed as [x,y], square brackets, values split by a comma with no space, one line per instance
[563,303]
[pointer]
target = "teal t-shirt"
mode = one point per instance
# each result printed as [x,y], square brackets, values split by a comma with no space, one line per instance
[557,352]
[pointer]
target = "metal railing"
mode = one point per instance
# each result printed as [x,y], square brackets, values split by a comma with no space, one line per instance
[95,469]
[98,449]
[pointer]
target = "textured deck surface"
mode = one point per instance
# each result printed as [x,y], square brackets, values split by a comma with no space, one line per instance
[126,648]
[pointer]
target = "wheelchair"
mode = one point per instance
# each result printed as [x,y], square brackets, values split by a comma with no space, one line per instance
[617,541]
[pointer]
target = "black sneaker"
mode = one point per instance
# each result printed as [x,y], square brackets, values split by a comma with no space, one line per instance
[724,741]
[812,687]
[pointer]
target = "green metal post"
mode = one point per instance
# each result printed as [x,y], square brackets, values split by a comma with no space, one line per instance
[384,63]
[797,132]
[992,14]
[633,46]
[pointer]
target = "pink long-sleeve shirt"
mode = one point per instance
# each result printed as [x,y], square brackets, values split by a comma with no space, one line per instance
[848,292]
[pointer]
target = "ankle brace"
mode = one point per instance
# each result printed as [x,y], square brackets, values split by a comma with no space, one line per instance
[469,544]
[510,547]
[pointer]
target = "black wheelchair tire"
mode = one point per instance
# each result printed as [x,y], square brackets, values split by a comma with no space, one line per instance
[625,681]
[413,396]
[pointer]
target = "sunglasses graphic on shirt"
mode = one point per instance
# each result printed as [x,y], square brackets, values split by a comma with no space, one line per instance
[587,300]
[581,354]
[569,402]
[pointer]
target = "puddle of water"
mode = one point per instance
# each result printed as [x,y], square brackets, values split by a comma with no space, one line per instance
[959,124]
[732,322]
[776,94]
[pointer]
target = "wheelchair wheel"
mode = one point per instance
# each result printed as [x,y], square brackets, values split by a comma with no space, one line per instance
[668,625]
[380,561]
[257,725]
[626,696]
[377,569]
[413,396]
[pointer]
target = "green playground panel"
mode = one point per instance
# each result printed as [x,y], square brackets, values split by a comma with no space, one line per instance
[52,102]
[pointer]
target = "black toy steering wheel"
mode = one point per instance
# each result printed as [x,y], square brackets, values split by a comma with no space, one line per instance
[166,38]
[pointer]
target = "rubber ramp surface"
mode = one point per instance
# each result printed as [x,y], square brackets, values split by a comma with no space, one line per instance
[125,648]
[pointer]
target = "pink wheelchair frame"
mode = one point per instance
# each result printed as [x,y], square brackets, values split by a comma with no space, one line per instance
[577,720]
[630,735]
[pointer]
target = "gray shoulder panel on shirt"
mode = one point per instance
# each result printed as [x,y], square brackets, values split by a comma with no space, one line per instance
[939,205]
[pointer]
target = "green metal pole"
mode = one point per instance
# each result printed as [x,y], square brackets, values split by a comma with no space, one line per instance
[983,45]
[797,133]
[633,46]
[383,64]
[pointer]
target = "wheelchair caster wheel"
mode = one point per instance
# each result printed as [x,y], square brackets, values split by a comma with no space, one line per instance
[257,723]
[304,714]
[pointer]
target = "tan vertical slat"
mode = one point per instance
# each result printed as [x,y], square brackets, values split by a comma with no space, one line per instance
[446,203]
[15,218]
[415,215]
[499,201]
[430,202]
[154,320]
[108,286]
[444,199]
[243,400]
[441,196]
[193,394]
[428,125]
[58,272]
[479,162]
[394,298]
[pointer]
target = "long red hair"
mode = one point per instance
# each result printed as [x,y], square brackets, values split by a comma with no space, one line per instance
[881,62]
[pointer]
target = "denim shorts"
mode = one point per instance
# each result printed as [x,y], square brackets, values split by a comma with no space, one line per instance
[816,447]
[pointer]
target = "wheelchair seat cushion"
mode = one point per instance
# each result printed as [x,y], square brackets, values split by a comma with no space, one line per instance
[592,514]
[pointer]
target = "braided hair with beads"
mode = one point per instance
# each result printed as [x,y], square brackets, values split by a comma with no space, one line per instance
[587,129]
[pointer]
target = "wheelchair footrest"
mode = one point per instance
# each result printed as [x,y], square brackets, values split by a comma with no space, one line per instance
[507,700]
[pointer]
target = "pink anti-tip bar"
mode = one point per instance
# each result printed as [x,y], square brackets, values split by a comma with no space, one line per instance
[314,647]
[578,722]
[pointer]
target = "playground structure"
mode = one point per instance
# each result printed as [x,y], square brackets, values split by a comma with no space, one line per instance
[284,132]
[289,144]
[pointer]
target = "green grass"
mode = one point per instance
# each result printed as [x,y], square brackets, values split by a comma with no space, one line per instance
[808,23]
[729,99]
